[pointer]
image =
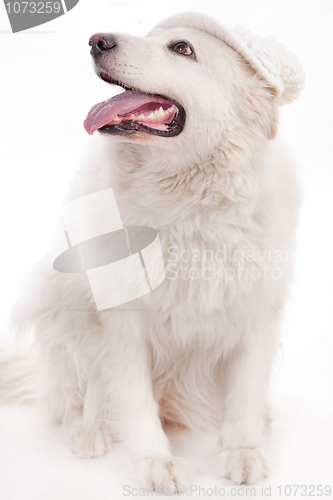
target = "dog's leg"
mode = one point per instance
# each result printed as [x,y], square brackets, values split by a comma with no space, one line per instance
[59,388]
[89,430]
[75,399]
[137,419]
[246,376]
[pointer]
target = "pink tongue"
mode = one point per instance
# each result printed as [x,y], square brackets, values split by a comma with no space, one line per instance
[103,113]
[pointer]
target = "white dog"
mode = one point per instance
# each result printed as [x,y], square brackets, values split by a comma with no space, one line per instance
[190,149]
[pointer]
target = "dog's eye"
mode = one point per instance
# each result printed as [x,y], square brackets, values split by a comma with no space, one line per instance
[183,48]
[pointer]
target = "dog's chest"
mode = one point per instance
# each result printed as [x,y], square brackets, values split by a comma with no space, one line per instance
[204,295]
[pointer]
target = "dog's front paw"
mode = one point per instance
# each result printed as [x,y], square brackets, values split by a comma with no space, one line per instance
[87,442]
[168,473]
[243,465]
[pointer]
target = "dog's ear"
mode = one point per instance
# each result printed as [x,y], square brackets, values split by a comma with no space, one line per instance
[258,104]
[260,107]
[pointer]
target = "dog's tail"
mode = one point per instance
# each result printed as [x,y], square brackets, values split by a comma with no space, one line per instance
[18,375]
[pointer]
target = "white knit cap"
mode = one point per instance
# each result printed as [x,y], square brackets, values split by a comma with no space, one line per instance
[269,58]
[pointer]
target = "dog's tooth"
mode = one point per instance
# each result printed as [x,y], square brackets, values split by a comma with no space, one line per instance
[151,115]
[142,115]
[159,112]
[132,115]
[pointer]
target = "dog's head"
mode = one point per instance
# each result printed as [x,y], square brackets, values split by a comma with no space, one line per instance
[182,86]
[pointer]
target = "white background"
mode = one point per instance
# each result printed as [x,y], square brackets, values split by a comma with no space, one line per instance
[47,87]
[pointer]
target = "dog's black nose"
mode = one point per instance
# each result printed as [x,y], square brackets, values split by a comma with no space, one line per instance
[101,42]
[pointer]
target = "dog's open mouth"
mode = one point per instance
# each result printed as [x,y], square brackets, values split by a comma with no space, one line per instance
[134,111]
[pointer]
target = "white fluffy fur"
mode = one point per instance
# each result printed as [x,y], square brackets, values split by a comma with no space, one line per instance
[194,352]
